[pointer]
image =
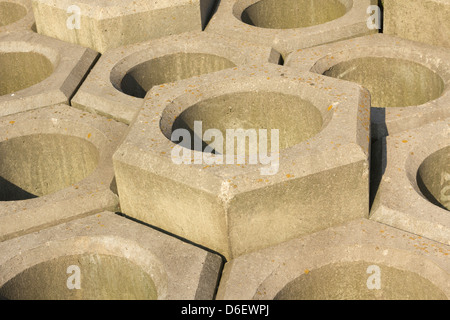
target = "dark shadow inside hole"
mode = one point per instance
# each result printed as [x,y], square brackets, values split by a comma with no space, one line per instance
[426,193]
[179,123]
[11,192]
[132,87]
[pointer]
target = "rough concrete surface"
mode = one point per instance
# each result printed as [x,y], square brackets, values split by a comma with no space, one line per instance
[117,259]
[322,179]
[121,78]
[108,24]
[341,263]
[425,21]
[414,183]
[16,15]
[56,166]
[39,71]
[288,25]
[409,81]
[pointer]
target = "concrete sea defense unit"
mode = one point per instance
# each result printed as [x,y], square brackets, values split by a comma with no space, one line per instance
[56,166]
[322,179]
[414,181]
[288,25]
[108,24]
[409,81]
[116,259]
[359,260]
[121,78]
[16,15]
[39,71]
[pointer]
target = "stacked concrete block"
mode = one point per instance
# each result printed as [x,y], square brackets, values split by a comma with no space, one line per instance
[56,166]
[121,78]
[39,71]
[359,260]
[409,81]
[425,21]
[105,257]
[288,25]
[414,181]
[105,24]
[16,15]
[318,177]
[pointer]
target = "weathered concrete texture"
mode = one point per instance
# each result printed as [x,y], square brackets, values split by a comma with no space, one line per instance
[233,208]
[342,263]
[288,25]
[55,166]
[413,183]
[16,15]
[117,259]
[121,78]
[418,20]
[108,24]
[409,81]
[39,71]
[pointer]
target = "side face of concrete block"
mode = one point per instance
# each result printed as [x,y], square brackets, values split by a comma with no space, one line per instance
[104,25]
[16,15]
[56,166]
[360,260]
[235,207]
[289,25]
[105,257]
[413,189]
[39,71]
[121,78]
[409,81]
[424,21]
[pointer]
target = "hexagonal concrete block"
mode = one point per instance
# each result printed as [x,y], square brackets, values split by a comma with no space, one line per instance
[39,71]
[409,81]
[413,181]
[55,166]
[105,257]
[288,25]
[424,21]
[121,78]
[16,15]
[316,178]
[106,24]
[361,260]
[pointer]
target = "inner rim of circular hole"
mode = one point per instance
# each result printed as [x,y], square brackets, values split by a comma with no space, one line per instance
[98,277]
[37,165]
[296,119]
[349,281]
[20,70]
[11,12]
[433,178]
[292,14]
[169,68]
[391,82]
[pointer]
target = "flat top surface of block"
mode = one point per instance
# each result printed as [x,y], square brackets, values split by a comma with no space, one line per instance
[56,165]
[412,193]
[334,264]
[117,258]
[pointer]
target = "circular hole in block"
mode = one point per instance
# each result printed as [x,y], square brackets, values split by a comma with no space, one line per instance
[169,68]
[292,14]
[360,281]
[11,12]
[433,178]
[36,165]
[391,82]
[82,277]
[20,70]
[296,119]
